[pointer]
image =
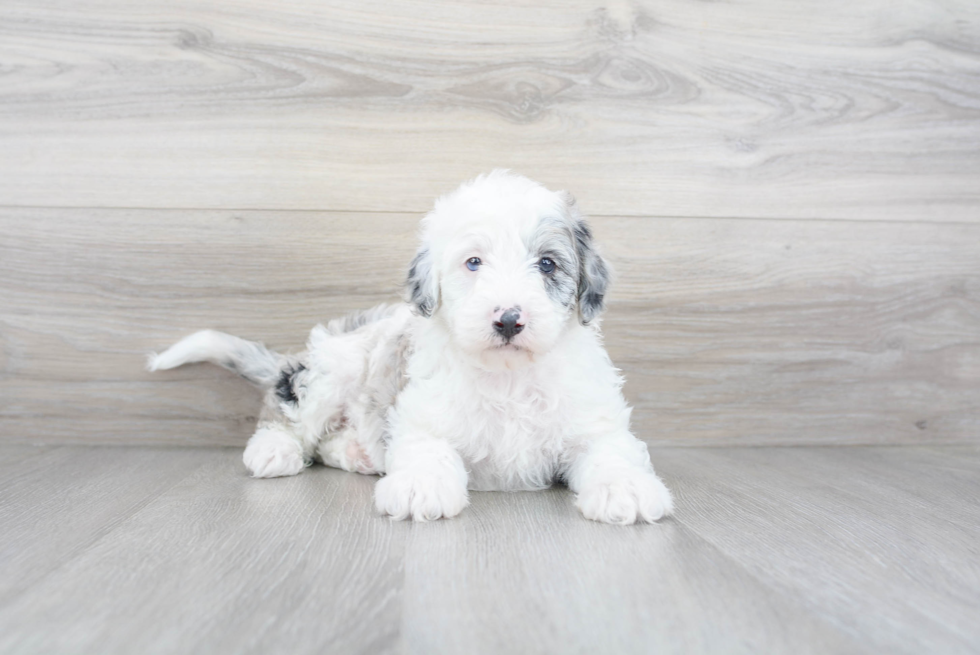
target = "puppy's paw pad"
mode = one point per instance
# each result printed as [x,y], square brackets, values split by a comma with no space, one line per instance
[626,498]
[422,496]
[273,459]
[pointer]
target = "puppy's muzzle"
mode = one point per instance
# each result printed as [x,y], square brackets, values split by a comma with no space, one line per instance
[509,323]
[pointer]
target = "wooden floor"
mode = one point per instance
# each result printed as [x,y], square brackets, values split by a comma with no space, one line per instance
[782,550]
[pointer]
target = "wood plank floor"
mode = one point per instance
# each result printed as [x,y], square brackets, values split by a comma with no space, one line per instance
[773,550]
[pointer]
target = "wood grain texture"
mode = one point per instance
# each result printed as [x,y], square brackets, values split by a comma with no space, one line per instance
[97,489]
[13,454]
[578,587]
[797,332]
[772,550]
[221,564]
[826,109]
[814,521]
[728,332]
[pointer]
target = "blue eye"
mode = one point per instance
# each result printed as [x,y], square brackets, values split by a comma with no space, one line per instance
[473,263]
[546,265]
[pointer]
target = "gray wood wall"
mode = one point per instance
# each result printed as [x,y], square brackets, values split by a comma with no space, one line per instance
[790,193]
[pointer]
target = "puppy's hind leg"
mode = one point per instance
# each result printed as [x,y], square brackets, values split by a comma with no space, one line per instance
[274,451]
[345,451]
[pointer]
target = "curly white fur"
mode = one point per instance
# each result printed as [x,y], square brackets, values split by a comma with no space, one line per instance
[492,377]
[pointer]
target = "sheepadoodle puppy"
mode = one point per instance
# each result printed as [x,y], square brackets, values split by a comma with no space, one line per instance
[492,376]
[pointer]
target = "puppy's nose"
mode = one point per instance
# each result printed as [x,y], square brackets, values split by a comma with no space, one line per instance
[508,324]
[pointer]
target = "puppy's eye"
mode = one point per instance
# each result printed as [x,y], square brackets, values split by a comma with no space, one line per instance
[546,265]
[473,263]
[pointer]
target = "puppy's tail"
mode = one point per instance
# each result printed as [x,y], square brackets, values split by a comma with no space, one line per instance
[251,360]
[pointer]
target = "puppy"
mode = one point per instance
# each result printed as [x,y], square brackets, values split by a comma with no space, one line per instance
[491,377]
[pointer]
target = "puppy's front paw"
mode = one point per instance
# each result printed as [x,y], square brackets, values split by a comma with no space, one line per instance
[271,453]
[624,497]
[423,495]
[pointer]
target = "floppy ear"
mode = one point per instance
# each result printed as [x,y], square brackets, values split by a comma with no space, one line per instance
[593,272]
[593,275]
[423,291]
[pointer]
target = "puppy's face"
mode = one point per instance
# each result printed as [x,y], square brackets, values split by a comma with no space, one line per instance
[506,265]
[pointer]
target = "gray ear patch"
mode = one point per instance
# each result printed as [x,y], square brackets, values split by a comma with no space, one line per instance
[593,278]
[420,283]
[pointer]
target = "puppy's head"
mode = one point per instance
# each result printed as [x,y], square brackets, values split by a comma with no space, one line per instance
[507,266]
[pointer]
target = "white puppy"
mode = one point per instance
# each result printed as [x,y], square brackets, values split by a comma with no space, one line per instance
[493,376]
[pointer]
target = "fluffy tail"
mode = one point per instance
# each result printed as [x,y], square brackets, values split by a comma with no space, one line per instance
[251,360]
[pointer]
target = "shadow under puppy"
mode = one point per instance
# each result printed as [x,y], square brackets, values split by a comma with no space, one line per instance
[492,377]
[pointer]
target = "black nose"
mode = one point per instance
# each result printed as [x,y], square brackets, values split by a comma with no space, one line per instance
[508,326]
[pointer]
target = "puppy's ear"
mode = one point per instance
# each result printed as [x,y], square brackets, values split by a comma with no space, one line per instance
[593,272]
[423,291]
[593,275]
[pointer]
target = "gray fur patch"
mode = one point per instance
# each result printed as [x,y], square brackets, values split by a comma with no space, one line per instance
[420,283]
[554,239]
[358,319]
[593,275]
[287,385]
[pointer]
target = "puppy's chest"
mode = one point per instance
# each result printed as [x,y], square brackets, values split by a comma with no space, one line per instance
[513,442]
